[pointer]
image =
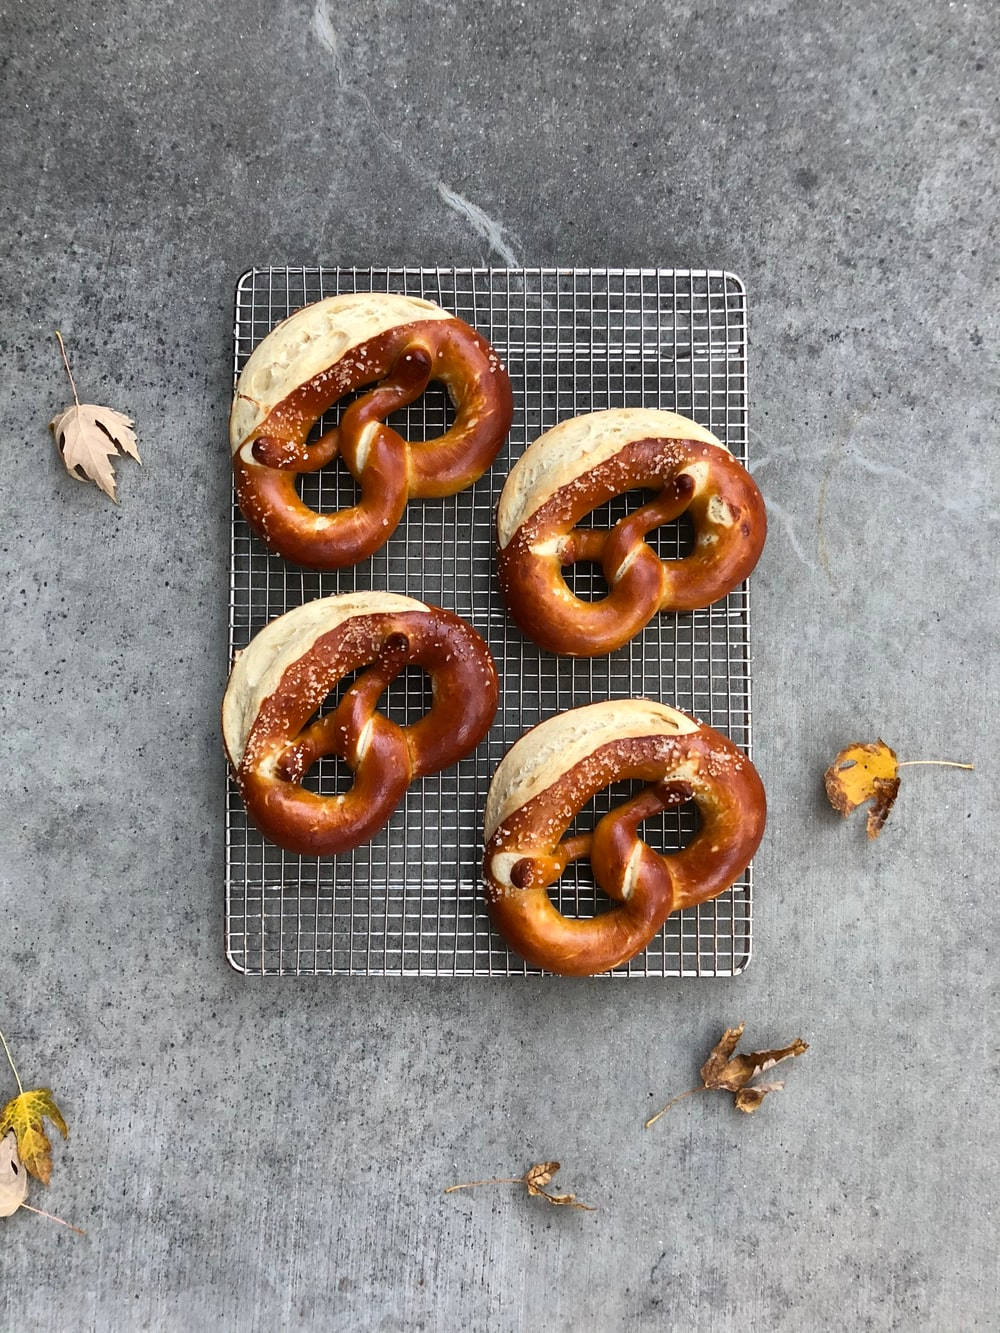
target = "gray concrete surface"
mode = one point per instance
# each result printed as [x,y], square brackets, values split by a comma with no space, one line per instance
[271,1155]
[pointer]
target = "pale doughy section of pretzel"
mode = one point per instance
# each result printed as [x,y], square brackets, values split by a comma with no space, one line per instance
[552,773]
[575,447]
[546,752]
[258,669]
[311,342]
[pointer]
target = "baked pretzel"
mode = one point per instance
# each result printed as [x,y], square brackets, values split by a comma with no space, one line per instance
[551,773]
[279,681]
[580,464]
[311,360]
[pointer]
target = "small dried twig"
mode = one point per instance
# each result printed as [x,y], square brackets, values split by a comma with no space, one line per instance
[52,1218]
[534,1180]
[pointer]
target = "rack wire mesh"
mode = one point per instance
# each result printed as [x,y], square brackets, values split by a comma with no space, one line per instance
[573,341]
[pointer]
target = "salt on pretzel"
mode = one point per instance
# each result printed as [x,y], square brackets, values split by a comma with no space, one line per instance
[280,680]
[580,464]
[550,774]
[312,359]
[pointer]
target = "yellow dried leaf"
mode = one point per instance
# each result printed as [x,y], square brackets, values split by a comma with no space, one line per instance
[25,1115]
[862,773]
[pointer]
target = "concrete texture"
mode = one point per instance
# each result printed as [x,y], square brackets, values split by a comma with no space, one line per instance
[269,1155]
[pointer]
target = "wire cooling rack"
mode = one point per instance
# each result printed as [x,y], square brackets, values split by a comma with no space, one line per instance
[573,341]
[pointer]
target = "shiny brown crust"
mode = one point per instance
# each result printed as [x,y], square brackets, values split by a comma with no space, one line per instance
[283,743]
[703,766]
[730,526]
[388,469]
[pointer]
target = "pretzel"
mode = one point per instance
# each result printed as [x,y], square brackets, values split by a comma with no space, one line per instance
[280,680]
[580,464]
[311,360]
[551,773]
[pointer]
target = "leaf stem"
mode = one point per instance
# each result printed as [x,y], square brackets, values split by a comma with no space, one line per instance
[72,381]
[497,1180]
[52,1218]
[10,1061]
[673,1102]
[939,763]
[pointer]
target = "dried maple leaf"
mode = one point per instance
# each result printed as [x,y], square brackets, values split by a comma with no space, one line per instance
[865,772]
[724,1071]
[534,1180]
[89,436]
[25,1114]
[13,1177]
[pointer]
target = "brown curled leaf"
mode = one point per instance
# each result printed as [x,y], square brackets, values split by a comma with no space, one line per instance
[721,1053]
[737,1072]
[538,1176]
[534,1180]
[725,1071]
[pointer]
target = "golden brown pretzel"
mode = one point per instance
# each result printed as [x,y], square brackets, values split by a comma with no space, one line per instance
[311,360]
[279,681]
[551,773]
[577,466]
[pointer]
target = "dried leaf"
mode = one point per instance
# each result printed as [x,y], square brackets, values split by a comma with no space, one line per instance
[88,437]
[871,773]
[733,1074]
[748,1099]
[534,1180]
[721,1053]
[13,1177]
[724,1071]
[538,1176]
[864,773]
[25,1115]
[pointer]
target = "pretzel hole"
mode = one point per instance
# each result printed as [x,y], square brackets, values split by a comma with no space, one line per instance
[586,580]
[329,776]
[409,697]
[329,488]
[576,893]
[670,541]
[430,416]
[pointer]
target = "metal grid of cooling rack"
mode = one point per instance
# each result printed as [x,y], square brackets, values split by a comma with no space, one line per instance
[573,340]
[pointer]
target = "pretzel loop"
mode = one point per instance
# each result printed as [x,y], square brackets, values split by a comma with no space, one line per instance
[307,364]
[550,775]
[273,736]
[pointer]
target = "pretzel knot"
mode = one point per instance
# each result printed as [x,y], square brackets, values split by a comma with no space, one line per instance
[310,361]
[551,773]
[577,466]
[280,680]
